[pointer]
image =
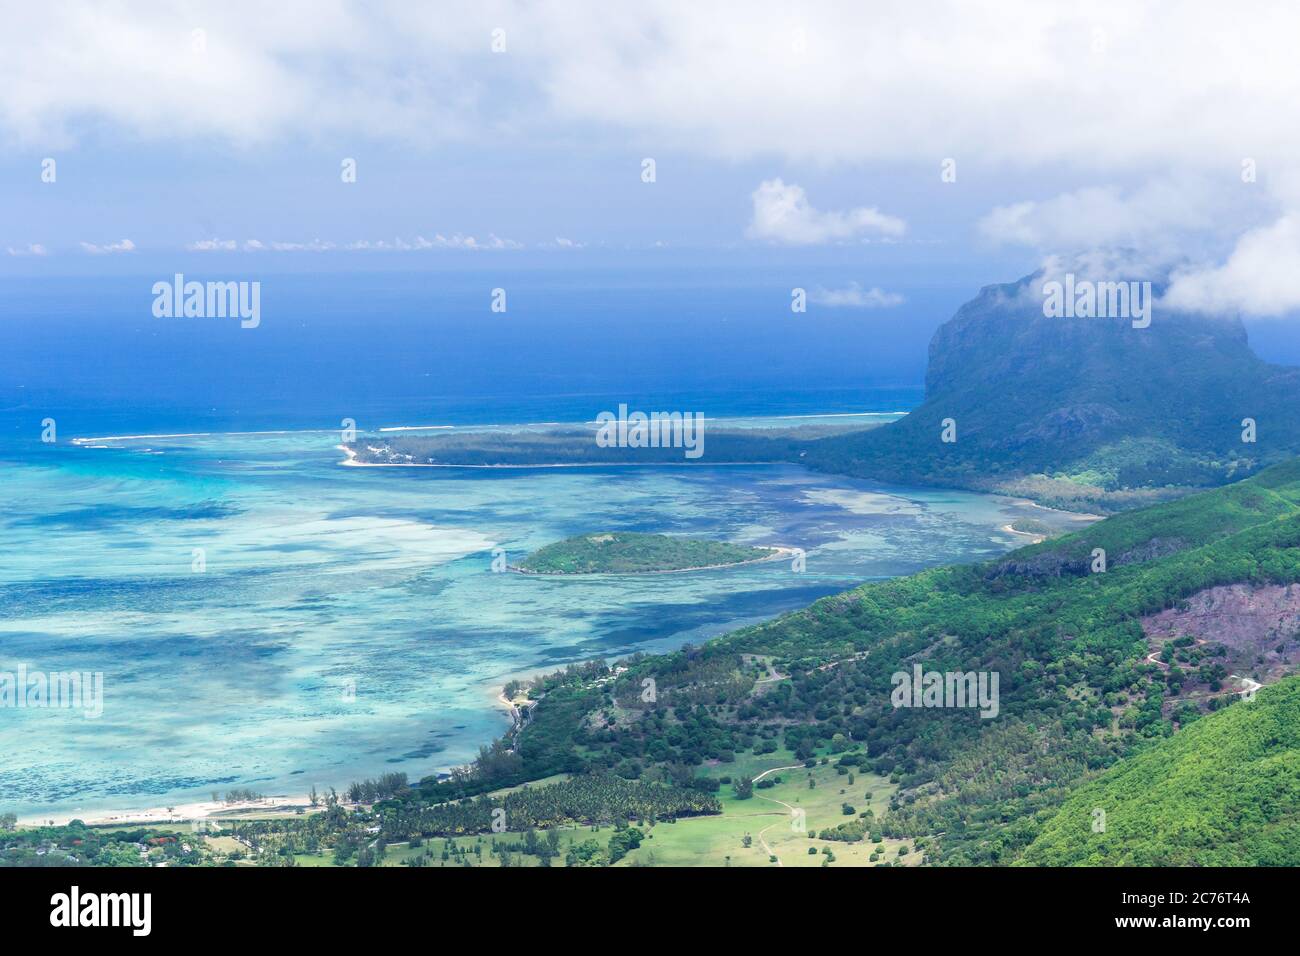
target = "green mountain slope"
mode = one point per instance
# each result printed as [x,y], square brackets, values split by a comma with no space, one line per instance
[1082,411]
[1078,694]
[1086,715]
[1224,792]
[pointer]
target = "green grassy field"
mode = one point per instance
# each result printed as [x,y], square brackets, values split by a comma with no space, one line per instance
[720,841]
[737,837]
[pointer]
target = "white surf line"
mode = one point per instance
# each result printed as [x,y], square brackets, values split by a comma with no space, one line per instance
[425,428]
[414,428]
[815,415]
[176,813]
[282,431]
[83,441]
[590,464]
[1075,514]
[1038,538]
[730,418]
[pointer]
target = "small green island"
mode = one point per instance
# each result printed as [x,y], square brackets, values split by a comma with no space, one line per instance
[626,552]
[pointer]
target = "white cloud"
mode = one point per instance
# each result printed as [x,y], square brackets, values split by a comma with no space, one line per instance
[31,249]
[458,241]
[399,244]
[1103,216]
[258,74]
[783,214]
[379,245]
[212,245]
[122,245]
[1155,230]
[1080,92]
[1023,84]
[226,245]
[439,241]
[1261,277]
[316,245]
[853,296]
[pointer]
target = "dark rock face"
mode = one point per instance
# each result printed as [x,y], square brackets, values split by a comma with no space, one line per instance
[1031,393]
[1072,423]
[1259,625]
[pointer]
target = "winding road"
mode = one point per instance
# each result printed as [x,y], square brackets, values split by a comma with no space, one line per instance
[766,846]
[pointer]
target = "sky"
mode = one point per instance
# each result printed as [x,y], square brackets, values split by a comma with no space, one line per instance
[969,139]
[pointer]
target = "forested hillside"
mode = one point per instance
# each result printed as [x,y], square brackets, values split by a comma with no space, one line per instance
[1083,412]
[1078,692]
[1226,792]
[1093,711]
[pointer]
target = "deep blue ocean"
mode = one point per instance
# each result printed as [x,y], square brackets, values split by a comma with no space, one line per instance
[397,348]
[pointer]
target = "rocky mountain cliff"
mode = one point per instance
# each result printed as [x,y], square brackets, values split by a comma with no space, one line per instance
[1082,410]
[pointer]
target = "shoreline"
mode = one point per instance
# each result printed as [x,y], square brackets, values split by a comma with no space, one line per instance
[495,689]
[82,439]
[278,805]
[1081,515]
[352,462]
[1038,538]
[181,813]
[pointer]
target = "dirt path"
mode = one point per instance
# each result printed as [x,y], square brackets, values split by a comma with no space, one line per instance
[1151,658]
[1251,685]
[774,770]
[844,660]
[766,846]
[772,675]
[764,660]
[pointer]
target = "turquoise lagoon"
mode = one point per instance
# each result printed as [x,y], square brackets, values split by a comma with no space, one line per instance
[345,621]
